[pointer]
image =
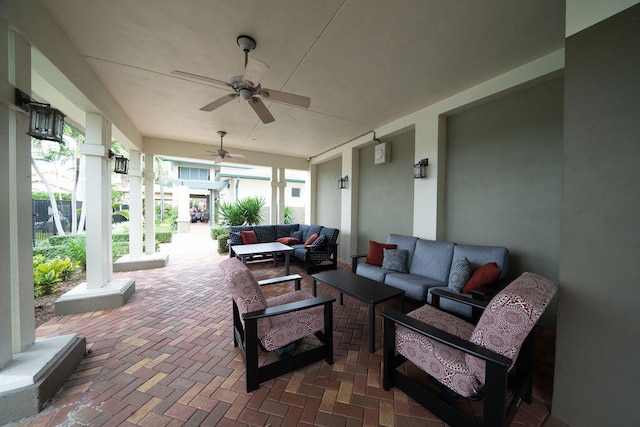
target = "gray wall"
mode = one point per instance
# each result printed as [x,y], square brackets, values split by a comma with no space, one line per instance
[328,204]
[385,196]
[597,373]
[504,178]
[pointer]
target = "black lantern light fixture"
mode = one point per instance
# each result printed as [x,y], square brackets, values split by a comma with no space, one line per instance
[121,163]
[420,169]
[45,122]
[342,182]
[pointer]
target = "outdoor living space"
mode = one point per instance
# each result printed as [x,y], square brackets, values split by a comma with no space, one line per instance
[167,358]
[495,123]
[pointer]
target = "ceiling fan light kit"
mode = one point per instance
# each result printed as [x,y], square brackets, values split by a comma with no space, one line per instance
[247,86]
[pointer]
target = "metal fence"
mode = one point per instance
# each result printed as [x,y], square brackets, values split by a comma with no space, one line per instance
[43,223]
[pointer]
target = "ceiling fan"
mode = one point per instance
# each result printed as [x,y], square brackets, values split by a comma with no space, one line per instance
[247,86]
[222,154]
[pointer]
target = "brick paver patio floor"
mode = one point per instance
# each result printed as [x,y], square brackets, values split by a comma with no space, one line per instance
[167,358]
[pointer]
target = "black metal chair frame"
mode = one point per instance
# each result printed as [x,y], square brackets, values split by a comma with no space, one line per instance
[499,381]
[247,337]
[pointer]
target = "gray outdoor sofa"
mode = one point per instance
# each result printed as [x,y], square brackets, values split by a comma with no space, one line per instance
[429,267]
[321,255]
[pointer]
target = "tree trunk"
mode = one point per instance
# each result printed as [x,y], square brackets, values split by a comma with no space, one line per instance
[52,199]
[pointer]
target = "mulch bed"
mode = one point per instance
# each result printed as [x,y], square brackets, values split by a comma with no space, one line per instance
[45,305]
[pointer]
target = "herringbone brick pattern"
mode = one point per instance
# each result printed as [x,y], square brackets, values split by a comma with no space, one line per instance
[167,358]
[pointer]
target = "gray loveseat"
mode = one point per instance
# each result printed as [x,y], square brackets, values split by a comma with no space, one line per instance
[429,267]
[320,255]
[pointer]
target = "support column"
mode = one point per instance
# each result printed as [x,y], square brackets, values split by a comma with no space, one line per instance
[149,205]
[30,371]
[98,200]
[181,196]
[17,326]
[274,196]
[135,205]
[282,184]
[136,259]
[99,292]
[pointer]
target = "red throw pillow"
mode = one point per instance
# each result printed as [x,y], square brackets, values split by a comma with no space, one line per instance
[249,237]
[375,255]
[483,275]
[288,241]
[311,239]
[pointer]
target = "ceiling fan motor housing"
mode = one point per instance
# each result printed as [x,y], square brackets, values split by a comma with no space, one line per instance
[245,94]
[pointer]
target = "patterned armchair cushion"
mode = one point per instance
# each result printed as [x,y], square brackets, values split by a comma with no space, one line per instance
[442,362]
[276,331]
[503,327]
[243,287]
[509,318]
[290,327]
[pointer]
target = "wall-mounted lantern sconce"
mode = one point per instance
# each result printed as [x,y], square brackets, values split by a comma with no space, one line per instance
[121,163]
[342,182]
[420,169]
[45,122]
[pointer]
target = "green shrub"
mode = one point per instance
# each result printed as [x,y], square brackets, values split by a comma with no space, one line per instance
[218,230]
[164,236]
[77,250]
[247,211]
[223,245]
[48,273]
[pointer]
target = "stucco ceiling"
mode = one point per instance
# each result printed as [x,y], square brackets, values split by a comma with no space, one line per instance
[363,63]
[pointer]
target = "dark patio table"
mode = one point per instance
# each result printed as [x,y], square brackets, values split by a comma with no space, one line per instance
[363,289]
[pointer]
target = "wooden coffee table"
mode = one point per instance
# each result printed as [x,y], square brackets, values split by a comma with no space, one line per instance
[365,290]
[274,248]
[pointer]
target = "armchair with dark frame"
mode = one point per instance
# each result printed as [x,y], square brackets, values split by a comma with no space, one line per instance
[462,360]
[273,324]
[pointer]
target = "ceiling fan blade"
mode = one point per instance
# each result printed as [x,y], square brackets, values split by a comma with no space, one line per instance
[261,110]
[254,71]
[286,97]
[205,79]
[237,158]
[219,102]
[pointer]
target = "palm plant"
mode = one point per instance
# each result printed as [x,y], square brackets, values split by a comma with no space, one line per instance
[247,211]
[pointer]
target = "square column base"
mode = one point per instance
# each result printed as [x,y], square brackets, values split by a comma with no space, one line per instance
[113,294]
[34,376]
[183,226]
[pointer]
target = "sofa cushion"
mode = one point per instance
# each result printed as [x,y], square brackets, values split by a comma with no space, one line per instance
[319,243]
[235,238]
[288,241]
[266,233]
[432,259]
[483,275]
[331,234]
[297,235]
[310,240]
[375,254]
[372,272]
[460,273]
[249,237]
[479,255]
[395,260]
[404,242]
[452,306]
[414,287]
[285,230]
